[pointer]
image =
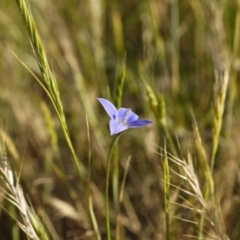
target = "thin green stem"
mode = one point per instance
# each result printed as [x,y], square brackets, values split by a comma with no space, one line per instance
[118,102]
[162,123]
[166,192]
[202,217]
[90,204]
[15,227]
[114,141]
[115,177]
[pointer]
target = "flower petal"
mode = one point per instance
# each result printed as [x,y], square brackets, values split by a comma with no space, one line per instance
[125,115]
[116,127]
[139,123]
[132,117]
[109,108]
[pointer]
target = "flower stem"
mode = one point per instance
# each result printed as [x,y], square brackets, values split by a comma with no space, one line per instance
[114,141]
[115,177]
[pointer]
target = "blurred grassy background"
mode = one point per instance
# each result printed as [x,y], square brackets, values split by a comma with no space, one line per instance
[178,54]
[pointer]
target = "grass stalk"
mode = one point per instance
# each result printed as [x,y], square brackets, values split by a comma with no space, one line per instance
[47,75]
[90,205]
[221,83]
[166,176]
[118,102]
[15,227]
[13,193]
[234,77]
[117,29]
[121,194]
[158,107]
[204,166]
[175,39]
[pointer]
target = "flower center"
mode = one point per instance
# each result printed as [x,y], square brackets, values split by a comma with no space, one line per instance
[125,116]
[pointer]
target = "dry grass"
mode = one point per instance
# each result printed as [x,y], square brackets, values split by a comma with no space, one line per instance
[175,62]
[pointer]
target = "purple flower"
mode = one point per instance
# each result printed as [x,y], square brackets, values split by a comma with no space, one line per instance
[121,119]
